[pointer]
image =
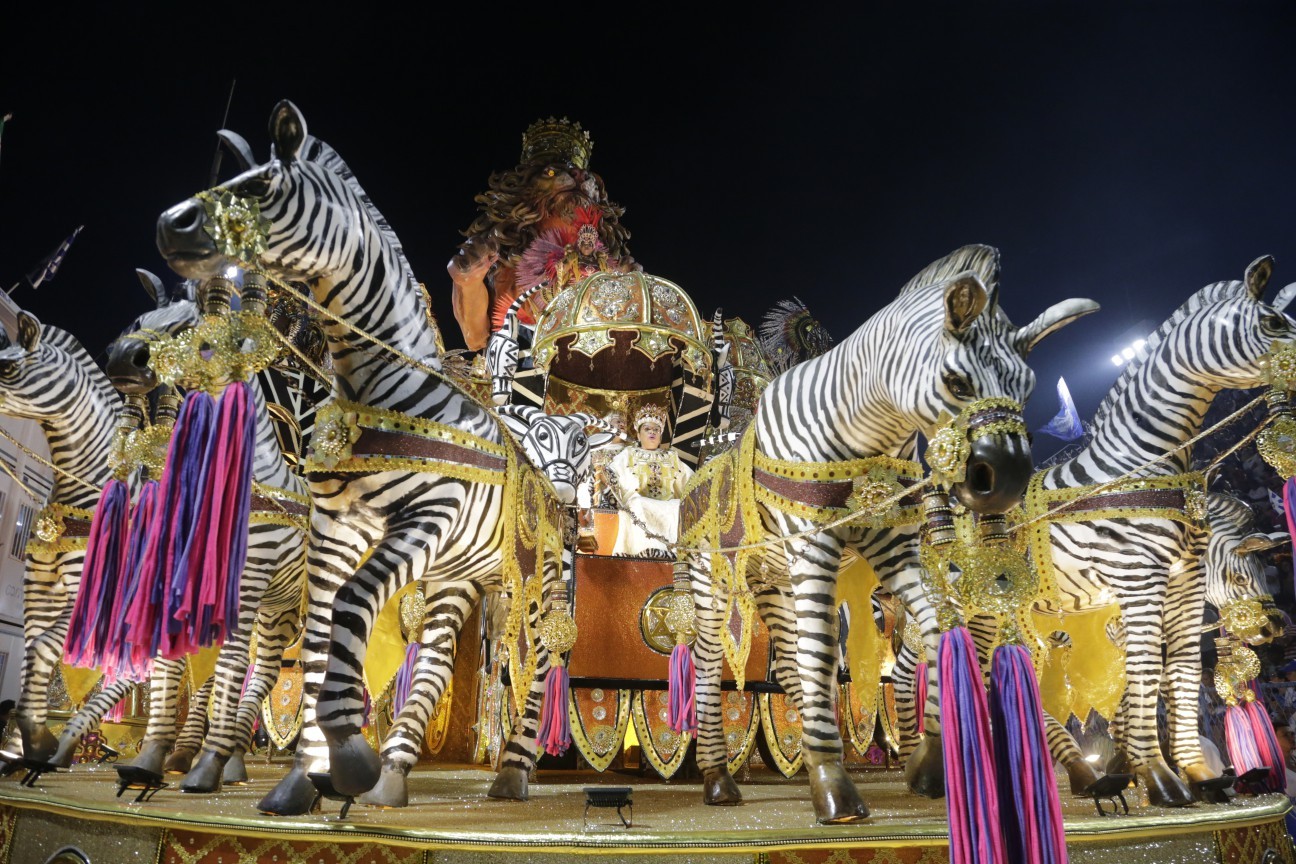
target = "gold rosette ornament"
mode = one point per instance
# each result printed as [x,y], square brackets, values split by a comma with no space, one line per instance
[49,525]
[947,454]
[335,431]
[1280,366]
[1245,618]
[235,225]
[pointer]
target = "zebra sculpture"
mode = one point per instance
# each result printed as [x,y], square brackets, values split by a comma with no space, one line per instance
[941,346]
[442,516]
[270,588]
[1150,560]
[46,376]
[504,350]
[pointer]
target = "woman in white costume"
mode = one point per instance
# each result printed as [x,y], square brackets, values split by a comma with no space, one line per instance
[649,480]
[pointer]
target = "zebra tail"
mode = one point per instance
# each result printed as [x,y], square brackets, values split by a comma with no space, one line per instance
[98,597]
[554,734]
[1028,792]
[971,794]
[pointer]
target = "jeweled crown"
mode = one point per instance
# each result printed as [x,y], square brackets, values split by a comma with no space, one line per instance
[650,414]
[557,141]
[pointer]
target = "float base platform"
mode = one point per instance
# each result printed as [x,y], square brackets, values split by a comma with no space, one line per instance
[452,821]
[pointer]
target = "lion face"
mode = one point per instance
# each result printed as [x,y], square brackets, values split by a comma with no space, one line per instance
[558,189]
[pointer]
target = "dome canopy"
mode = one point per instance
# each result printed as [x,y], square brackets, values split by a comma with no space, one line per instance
[645,317]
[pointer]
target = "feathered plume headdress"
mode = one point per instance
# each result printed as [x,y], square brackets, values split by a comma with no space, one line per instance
[789,334]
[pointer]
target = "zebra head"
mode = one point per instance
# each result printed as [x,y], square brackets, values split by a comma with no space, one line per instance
[968,351]
[1234,571]
[556,444]
[128,356]
[20,369]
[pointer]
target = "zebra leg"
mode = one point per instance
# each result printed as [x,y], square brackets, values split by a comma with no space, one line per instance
[776,610]
[1185,608]
[87,720]
[710,601]
[333,553]
[407,548]
[520,751]
[231,669]
[925,767]
[813,574]
[1143,637]
[164,688]
[50,584]
[904,678]
[444,614]
[190,739]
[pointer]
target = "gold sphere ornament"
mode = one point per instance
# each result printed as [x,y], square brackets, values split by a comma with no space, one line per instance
[557,632]
[682,617]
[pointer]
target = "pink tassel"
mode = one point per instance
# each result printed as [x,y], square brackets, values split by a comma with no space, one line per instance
[555,726]
[920,693]
[680,685]
[1028,792]
[971,794]
[101,577]
[218,550]
[1251,744]
[404,678]
[119,660]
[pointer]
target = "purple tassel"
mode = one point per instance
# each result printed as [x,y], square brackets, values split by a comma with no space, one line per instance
[95,608]
[1251,743]
[554,734]
[119,662]
[182,481]
[680,684]
[1028,792]
[971,794]
[404,678]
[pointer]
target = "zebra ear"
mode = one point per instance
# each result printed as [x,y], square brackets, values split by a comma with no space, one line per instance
[287,131]
[1253,543]
[29,331]
[153,286]
[1053,318]
[518,419]
[1284,298]
[238,147]
[1257,275]
[965,299]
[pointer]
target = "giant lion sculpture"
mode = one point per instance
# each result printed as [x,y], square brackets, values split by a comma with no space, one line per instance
[547,220]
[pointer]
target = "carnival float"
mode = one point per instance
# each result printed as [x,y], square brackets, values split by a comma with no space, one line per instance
[362,596]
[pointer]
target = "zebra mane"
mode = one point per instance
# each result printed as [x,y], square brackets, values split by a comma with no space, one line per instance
[71,346]
[320,153]
[1212,293]
[981,259]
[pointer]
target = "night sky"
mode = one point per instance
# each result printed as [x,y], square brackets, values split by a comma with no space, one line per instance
[1131,155]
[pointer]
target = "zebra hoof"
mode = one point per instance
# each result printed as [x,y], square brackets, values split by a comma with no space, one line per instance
[510,783]
[150,757]
[836,800]
[294,795]
[1082,776]
[179,762]
[1164,787]
[925,770]
[353,765]
[62,758]
[391,791]
[39,743]
[205,776]
[1199,780]
[719,787]
[235,773]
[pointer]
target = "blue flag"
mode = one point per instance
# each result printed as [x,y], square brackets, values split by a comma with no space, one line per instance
[1066,425]
[47,268]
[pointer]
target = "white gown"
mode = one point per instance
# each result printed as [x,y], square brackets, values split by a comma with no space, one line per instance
[648,483]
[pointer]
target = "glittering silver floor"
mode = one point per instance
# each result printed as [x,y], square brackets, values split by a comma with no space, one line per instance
[449,810]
